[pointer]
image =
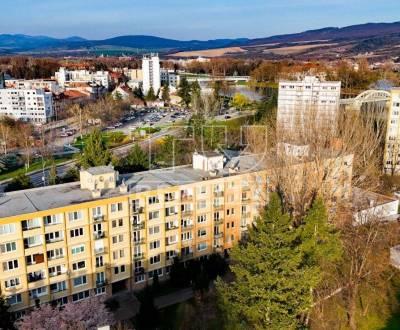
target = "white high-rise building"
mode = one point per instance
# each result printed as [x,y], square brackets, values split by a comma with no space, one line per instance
[151,73]
[34,105]
[307,99]
[391,161]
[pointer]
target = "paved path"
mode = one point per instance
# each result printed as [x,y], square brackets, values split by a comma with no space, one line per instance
[173,298]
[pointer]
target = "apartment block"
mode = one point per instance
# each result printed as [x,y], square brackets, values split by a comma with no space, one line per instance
[391,161]
[66,77]
[34,105]
[47,85]
[171,78]
[151,73]
[309,100]
[111,232]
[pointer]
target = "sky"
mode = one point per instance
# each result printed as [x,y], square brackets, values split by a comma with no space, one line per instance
[187,19]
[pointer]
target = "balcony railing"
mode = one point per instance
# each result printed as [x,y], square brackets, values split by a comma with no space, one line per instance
[186,197]
[138,241]
[101,283]
[245,198]
[187,212]
[99,235]
[167,227]
[138,225]
[246,188]
[35,277]
[219,235]
[138,256]
[54,240]
[139,270]
[138,210]
[187,227]
[98,218]
[187,255]
[218,221]
[218,193]
[245,215]
[100,250]
[218,207]
[25,228]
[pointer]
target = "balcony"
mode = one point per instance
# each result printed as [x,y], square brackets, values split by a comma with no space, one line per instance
[100,250]
[138,210]
[245,215]
[138,256]
[138,241]
[218,235]
[246,188]
[218,249]
[99,235]
[218,207]
[32,227]
[98,218]
[139,270]
[138,225]
[218,221]
[187,255]
[187,227]
[245,198]
[101,283]
[35,277]
[168,243]
[54,240]
[187,213]
[186,197]
[171,227]
[218,193]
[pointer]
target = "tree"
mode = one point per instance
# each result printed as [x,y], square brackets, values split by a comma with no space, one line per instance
[6,319]
[71,175]
[272,286]
[7,131]
[184,92]
[20,182]
[178,274]
[195,88]
[136,161]
[156,282]
[138,93]
[240,101]
[53,178]
[165,94]
[151,96]
[95,152]
[88,314]
[171,151]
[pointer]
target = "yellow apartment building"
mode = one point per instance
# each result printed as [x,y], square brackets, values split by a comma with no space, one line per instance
[111,232]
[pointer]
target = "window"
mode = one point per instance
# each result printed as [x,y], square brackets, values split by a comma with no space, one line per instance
[170,254]
[78,249]
[99,261]
[118,254]
[169,196]
[97,211]
[34,259]
[202,204]
[100,291]
[202,246]
[139,278]
[32,241]
[81,280]
[54,237]
[172,239]
[12,282]
[76,232]
[155,259]
[117,207]
[153,200]
[15,299]
[158,271]
[201,232]
[119,269]
[154,230]
[55,254]
[10,265]
[56,270]
[201,218]
[80,295]
[75,216]
[8,247]
[170,211]
[54,219]
[117,223]
[35,293]
[31,224]
[202,190]
[230,211]
[186,236]
[8,229]
[154,215]
[79,265]
[58,287]
[154,245]
[118,239]
[100,278]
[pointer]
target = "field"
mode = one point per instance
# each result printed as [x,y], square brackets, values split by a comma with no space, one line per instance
[295,49]
[210,52]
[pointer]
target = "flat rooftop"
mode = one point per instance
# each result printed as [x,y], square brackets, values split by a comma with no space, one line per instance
[51,197]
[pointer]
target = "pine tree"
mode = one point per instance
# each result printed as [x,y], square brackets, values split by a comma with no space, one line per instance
[95,152]
[272,286]
[136,161]
[151,96]
[53,178]
[6,319]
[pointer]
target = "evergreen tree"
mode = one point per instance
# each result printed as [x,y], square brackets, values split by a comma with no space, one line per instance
[136,161]
[184,92]
[165,94]
[148,317]
[195,88]
[151,96]
[95,152]
[6,319]
[20,182]
[272,286]
[138,93]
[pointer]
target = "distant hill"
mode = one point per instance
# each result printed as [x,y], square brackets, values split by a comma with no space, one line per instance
[334,33]
[364,36]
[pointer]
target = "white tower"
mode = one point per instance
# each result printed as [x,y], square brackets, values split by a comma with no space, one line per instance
[151,73]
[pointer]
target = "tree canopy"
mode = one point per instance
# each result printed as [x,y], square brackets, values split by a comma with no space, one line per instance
[95,152]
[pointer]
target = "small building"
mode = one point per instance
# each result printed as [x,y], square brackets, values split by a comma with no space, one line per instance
[121,92]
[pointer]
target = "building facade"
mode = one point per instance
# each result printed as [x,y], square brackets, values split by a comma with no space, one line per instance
[33,105]
[110,232]
[171,78]
[391,161]
[307,100]
[151,73]
[47,85]
[65,77]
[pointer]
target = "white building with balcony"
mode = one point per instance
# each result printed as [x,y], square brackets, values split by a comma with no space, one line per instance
[34,105]
[64,77]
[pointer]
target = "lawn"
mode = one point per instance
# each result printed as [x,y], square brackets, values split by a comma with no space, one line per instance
[111,139]
[36,165]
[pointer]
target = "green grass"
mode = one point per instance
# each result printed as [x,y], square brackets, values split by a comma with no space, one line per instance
[37,165]
[80,143]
